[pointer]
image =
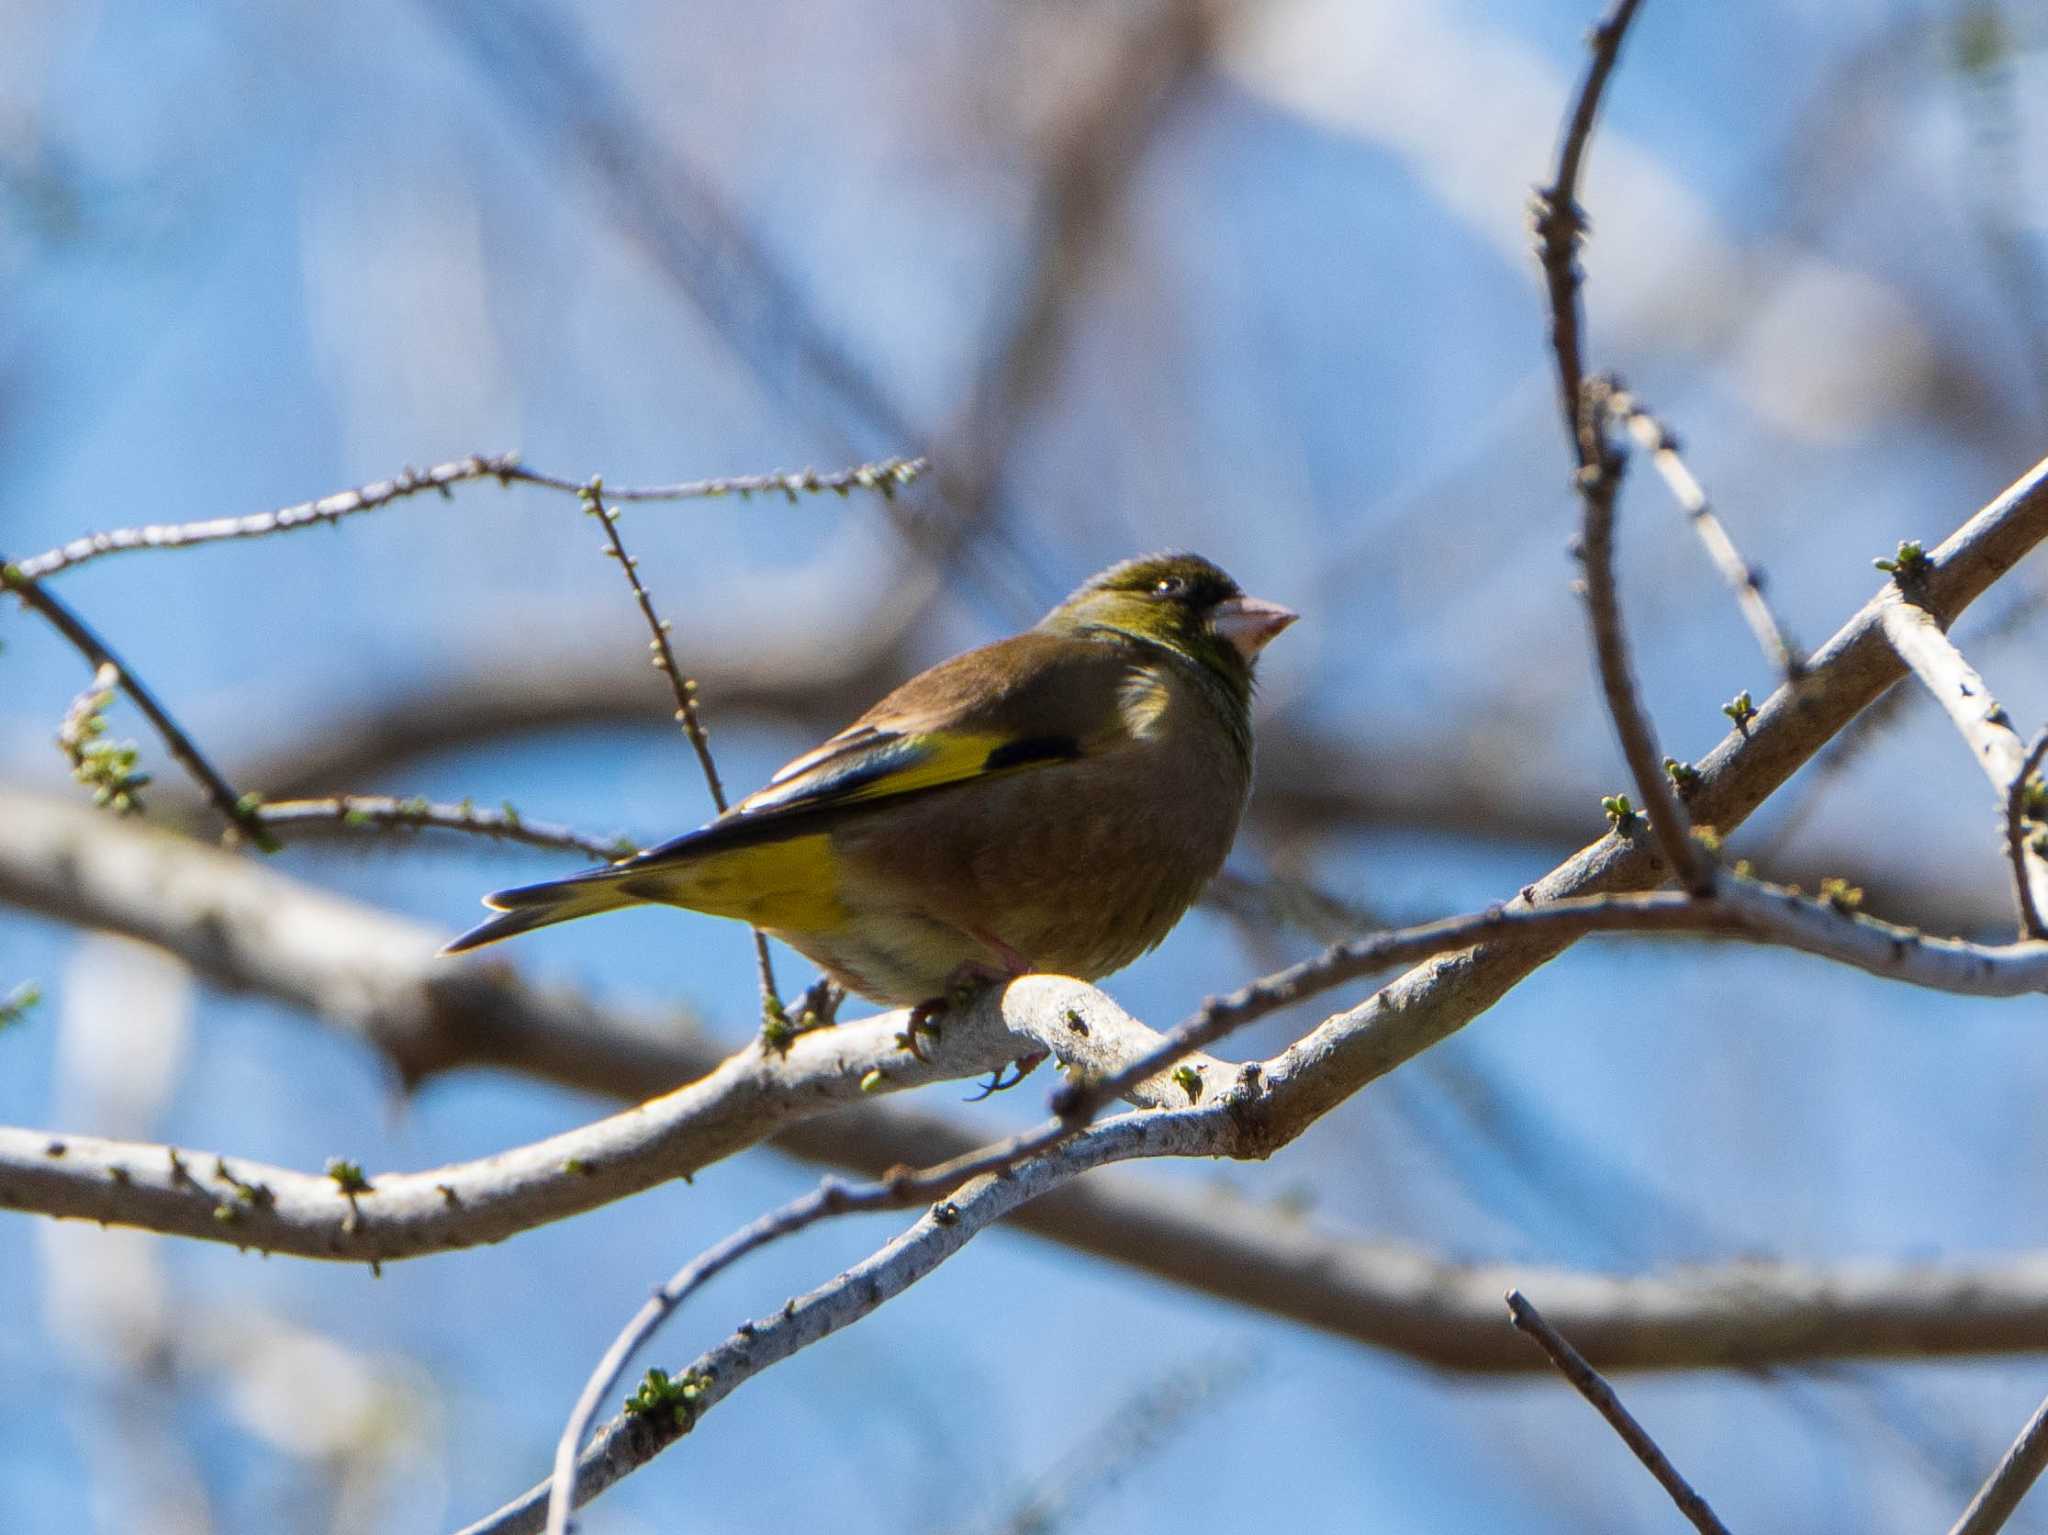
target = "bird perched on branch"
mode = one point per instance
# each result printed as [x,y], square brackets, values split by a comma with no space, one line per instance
[1053,801]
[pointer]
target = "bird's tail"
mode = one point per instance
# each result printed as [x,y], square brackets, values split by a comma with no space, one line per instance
[763,872]
[526,907]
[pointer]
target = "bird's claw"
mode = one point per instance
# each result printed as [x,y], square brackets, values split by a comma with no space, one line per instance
[1024,1065]
[968,982]
[923,1020]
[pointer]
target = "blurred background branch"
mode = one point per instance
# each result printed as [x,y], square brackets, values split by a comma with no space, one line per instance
[1245,279]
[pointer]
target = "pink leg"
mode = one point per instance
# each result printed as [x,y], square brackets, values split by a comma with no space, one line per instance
[967,978]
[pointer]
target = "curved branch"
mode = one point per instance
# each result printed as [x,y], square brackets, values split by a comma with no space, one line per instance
[1735,1315]
[886,476]
[1846,675]
[755,1090]
[1560,228]
[348,1216]
[385,812]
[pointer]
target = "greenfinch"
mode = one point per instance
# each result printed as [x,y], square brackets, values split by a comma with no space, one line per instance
[1051,802]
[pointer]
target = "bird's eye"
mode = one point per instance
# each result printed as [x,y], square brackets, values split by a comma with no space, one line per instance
[1170,586]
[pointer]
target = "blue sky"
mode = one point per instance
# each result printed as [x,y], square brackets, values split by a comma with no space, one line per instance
[252,255]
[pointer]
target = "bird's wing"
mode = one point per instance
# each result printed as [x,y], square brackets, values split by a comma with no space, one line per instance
[1021,703]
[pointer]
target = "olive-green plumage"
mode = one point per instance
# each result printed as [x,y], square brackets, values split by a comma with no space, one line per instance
[1053,801]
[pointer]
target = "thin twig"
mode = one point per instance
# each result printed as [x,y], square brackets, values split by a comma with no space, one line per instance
[1560,228]
[1587,1382]
[685,690]
[1743,579]
[1921,642]
[2020,845]
[1797,805]
[1599,482]
[1561,224]
[219,793]
[831,1197]
[386,812]
[886,476]
[303,514]
[2009,1483]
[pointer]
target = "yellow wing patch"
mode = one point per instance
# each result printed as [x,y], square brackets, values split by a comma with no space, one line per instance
[790,884]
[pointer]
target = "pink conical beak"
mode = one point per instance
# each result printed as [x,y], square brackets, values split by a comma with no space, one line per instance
[1249,623]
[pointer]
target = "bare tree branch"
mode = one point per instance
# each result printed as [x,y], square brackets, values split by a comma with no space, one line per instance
[1560,229]
[1560,223]
[2007,761]
[369,973]
[755,1090]
[1599,482]
[630,1441]
[240,810]
[1848,673]
[2012,1479]
[1742,577]
[1587,1382]
[2025,802]
[684,690]
[389,1216]
[1266,1108]
[219,793]
[885,476]
[1730,1315]
[1600,474]
[384,812]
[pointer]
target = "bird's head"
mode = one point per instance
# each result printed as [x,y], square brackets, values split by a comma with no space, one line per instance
[1180,602]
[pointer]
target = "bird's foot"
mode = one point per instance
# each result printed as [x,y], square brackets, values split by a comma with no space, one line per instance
[966,983]
[1023,1066]
[923,1020]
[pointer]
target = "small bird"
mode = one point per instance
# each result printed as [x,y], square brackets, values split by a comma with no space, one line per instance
[1050,802]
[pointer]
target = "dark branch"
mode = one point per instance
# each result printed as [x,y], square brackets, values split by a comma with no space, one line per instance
[1587,1382]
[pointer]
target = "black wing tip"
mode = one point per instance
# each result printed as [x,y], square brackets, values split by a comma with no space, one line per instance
[512,914]
[483,933]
